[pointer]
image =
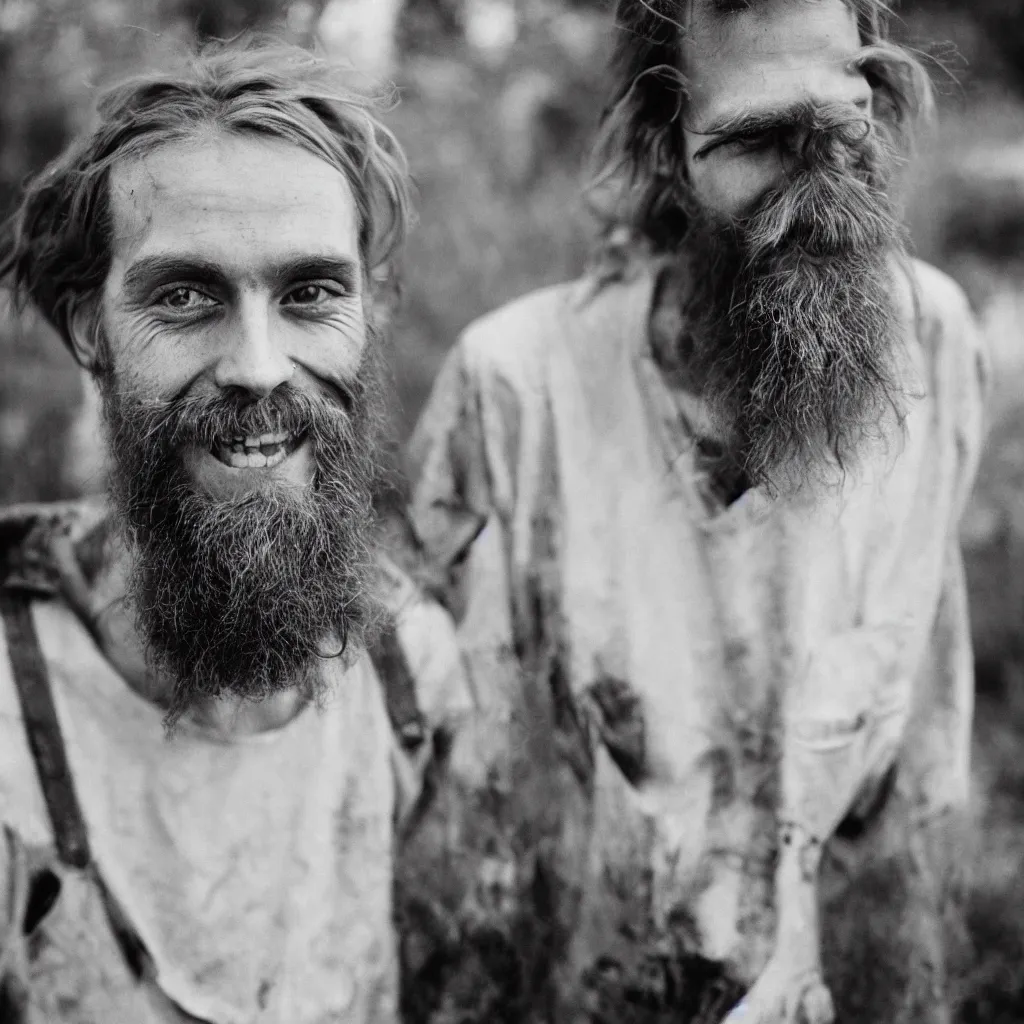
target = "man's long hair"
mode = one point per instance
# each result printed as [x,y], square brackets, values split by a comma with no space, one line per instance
[638,183]
[55,250]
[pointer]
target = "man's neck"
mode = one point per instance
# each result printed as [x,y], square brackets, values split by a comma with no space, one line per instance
[232,717]
[228,716]
[102,607]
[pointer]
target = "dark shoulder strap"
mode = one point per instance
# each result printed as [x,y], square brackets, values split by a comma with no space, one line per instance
[32,681]
[43,729]
[399,687]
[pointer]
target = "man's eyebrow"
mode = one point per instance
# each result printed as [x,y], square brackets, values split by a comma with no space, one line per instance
[308,267]
[749,123]
[163,267]
[150,270]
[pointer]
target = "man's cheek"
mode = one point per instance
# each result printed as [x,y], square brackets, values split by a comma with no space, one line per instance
[331,350]
[732,186]
[154,359]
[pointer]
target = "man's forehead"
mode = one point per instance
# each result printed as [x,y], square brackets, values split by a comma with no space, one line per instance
[219,193]
[740,53]
[725,16]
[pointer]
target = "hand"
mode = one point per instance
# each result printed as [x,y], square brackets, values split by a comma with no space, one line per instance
[782,995]
[790,989]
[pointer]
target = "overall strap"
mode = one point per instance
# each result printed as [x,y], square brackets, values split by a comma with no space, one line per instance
[32,682]
[399,688]
[42,727]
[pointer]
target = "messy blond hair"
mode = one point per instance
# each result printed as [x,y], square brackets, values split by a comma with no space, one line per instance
[55,249]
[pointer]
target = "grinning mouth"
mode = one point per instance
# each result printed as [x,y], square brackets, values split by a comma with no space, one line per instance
[256,451]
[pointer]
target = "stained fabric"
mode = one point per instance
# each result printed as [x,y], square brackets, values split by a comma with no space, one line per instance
[602,831]
[256,872]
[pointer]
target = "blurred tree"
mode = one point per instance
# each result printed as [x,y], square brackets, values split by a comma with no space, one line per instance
[222,19]
[1003,21]
[1000,50]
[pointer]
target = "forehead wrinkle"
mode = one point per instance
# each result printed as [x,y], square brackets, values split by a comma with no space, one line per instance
[708,16]
[132,217]
[197,200]
[211,155]
[776,53]
[728,8]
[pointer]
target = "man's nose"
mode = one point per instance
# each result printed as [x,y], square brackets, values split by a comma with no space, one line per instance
[802,146]
[252,358]
[794,146]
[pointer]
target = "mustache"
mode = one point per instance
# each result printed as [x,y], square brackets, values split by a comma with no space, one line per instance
[202,420]
[836,198]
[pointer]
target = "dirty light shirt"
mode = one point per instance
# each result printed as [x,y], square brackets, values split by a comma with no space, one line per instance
[552,471]
[256,870]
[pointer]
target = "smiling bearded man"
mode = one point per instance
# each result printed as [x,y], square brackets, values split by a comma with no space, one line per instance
[214,575]
[697,515]
[207,252]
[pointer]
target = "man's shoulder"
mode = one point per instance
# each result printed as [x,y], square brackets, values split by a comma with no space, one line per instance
[506,338]
[27,533]
[29,571]
[21,806]
[514,339]
[424,649]
[23,575]
[953,346]
[941,305]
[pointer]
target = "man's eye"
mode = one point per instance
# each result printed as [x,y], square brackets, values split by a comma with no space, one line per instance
[310,295]
[756,143]
[185,298]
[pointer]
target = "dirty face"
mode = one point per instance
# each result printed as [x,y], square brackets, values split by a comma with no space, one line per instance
[748,67]
[235,270]
[793,329]
[238,376]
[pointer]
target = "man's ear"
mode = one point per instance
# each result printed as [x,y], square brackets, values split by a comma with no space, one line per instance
[84,334]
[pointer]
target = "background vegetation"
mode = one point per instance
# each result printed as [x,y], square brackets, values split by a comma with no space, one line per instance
[499,100]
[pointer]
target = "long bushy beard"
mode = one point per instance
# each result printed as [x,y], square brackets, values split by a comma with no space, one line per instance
[796,326]
[246,595]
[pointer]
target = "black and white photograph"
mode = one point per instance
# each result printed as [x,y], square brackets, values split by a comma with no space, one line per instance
[511,512]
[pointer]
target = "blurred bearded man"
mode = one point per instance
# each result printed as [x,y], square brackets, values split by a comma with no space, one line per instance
[705,500]
[208,253]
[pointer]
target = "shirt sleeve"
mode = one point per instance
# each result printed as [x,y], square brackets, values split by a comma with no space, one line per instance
[454,621]
[498,792]
[462,464]
[450,483]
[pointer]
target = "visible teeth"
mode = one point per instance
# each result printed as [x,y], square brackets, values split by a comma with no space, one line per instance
[258,440]
[253,460]
[256,451]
